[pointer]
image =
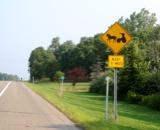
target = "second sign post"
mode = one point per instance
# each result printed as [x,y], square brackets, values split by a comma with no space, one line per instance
[116,38]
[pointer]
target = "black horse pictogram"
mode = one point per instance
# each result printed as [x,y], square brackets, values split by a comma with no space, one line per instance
[110,37]
[122,39]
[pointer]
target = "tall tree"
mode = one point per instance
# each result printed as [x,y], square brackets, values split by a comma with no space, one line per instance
[102,51]
[129,76]
[153,56]
[55,44]
[86,53]
[36,63]
[51,64]
[140,25]
[66,56]
[42,63]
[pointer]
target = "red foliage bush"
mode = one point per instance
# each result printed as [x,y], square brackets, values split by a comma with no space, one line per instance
[76,74]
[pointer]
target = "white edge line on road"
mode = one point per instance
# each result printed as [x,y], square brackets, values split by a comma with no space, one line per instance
[5,88]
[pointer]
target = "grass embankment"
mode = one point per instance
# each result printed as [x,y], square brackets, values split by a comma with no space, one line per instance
[88,109]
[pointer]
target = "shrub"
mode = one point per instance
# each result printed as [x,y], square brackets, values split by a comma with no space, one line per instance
[58,75]
[152,101]
[133,97]
[76,74]
[99,86]
[152,85]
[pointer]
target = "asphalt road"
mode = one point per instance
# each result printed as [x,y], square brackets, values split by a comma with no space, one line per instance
[22,109]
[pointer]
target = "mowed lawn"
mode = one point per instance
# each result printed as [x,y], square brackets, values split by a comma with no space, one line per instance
[88,109]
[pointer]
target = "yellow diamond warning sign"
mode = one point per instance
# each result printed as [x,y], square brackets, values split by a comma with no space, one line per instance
[115,61]
[116,38]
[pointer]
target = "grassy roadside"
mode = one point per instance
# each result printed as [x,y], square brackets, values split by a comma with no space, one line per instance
[88,109]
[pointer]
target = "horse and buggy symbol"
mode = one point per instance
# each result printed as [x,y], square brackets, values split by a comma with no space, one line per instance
[117,39]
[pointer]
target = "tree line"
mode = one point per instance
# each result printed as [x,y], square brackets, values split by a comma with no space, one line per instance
[67,56]
[5,76]
[140,76]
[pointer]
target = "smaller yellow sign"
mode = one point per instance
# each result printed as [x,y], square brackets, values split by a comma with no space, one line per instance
[116,61]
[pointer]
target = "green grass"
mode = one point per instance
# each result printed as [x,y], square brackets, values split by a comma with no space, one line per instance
[87,109]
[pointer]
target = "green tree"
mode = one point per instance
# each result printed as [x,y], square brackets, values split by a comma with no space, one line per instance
[130,77]
[140,25]
[36,63]
[66,56]
[142,54]
[102,51]
[155,35]
[51,64]
[55,44]
[86,55]
[42,63]
[153,56]
[58,75]
[91,50]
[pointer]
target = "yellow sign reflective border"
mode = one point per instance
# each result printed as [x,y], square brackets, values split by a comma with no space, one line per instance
[115,61]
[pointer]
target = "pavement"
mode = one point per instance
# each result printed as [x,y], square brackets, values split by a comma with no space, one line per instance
[22,109]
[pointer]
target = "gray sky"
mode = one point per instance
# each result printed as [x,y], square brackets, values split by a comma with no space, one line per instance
[27,24]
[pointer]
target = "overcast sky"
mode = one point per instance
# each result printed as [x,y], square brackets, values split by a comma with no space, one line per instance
[27,24]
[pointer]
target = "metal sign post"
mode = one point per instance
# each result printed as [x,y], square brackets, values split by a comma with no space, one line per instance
[107,97]
[61,86]
[115,94]
[33,79]
[116,38]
